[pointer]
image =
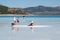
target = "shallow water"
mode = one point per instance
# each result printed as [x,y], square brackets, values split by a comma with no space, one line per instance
[44,33]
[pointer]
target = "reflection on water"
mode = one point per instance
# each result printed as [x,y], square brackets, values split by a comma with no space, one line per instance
[42,33]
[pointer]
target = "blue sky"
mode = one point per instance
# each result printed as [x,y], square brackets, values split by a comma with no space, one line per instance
[29,3]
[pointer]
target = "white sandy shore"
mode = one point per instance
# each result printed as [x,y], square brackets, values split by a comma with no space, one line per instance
[25,15]
[15,15]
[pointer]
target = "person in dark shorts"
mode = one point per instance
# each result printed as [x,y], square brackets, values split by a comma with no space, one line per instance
[31,24]
[23,17]
[13,24]
[13,28]
[18,20]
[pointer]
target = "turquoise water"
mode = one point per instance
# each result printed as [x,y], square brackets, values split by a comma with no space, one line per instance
[51,32]
[51,16]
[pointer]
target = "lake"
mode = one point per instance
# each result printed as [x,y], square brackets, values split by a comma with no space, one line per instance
[52,32]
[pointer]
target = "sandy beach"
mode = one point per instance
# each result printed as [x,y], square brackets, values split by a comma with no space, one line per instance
[15,15]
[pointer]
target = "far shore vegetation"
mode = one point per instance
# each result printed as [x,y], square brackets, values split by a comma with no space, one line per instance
[11,11]
[39,10]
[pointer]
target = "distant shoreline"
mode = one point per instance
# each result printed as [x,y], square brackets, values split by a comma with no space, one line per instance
[14,15]
[24,15]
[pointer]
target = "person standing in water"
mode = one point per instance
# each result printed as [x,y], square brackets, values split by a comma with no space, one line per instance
[31,25]
[14,23]
[18,20]
[14,19]
[23,17]
[13,28]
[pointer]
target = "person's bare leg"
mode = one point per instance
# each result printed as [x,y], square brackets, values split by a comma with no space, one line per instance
[32,28]
[18,29]
[13,29]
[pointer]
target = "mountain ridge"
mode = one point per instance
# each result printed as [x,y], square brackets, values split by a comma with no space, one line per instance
[38,10]
[42,9]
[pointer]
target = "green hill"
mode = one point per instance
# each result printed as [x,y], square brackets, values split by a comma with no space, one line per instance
[7,10]
[3,9]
